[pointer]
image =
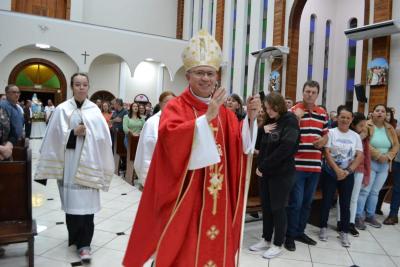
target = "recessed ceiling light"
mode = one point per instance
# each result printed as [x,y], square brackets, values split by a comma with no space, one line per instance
[149,59]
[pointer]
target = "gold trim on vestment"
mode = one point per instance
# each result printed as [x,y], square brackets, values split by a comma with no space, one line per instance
[226,192]
[172,217]
[201,218]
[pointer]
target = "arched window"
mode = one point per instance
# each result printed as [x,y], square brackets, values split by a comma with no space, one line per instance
[311,47]
[326,62]
[247,47]
[351,67]
[38,76]
[263,43]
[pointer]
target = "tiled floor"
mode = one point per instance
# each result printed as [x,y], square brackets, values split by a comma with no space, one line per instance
[374,247]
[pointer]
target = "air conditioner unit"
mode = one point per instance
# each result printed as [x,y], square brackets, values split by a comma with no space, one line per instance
[379,29]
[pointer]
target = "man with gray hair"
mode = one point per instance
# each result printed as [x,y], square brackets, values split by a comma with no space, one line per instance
[13,111]
[118,114]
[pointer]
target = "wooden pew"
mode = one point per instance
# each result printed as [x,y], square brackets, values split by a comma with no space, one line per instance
[119,149]
[253,197]
[130,157]
[16,224]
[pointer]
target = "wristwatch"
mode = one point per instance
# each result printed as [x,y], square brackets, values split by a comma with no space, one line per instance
[349,170]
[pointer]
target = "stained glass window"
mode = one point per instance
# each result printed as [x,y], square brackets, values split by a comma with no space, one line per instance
[351,67]
[326,61]
[38,76]
[233,43]
[263,42]
[247,47]
[311,47]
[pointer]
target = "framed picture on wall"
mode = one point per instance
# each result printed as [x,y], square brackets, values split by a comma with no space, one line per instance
[377,72]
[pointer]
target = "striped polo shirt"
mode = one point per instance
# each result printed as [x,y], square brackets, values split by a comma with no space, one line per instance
[313,125]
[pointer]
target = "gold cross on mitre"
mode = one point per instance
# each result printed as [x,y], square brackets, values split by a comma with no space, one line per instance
[215,185]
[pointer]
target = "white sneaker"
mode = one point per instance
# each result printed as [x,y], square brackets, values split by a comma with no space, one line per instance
[344,239]
[84,254]
[260,246]
[272,252]
[323,234]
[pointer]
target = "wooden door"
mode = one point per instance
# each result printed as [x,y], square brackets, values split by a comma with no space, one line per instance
[47,8]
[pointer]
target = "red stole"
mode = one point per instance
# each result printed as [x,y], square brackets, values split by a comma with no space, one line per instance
[190,218]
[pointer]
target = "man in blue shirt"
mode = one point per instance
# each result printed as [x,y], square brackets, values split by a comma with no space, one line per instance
[14,113]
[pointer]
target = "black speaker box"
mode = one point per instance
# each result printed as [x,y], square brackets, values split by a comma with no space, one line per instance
[360,93]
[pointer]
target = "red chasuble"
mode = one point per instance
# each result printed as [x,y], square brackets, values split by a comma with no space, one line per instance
[190,218]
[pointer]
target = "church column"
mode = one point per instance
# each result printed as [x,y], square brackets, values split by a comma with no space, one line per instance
[257,7]
[279,34]
[224,37]
[76,10]
[196,16]
[124,72]
[187,20]
[240,47]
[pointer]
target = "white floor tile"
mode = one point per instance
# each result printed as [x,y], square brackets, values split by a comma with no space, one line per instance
[43,244]
[371,260]
[359,245]
[100,238]
[330,256]
[279,262]
[248,260]
[302,253]
[114,226]
[119,243]
[107,257]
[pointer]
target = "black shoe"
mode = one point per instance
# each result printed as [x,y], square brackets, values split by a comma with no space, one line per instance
[338,227]
[289,244]
[353,231]
[379,212]
[306,240]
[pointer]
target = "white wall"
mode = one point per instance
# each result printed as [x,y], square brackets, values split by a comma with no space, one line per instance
[5,4]
[394,65]
[104,74]
[151,16]
[67,66]
[178,84]
[339,12]
[144,81]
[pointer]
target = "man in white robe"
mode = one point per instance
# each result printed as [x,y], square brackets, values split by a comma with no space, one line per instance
[148,139]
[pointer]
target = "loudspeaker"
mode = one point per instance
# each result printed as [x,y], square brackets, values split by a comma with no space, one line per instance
[360,93]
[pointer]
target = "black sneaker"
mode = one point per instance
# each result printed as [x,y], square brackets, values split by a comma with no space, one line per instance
[289,244]
[353,231]
[306,240]
[338,227]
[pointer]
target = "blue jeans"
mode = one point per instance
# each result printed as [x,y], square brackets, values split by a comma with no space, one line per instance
[395,204]
[369,195]
[300,200]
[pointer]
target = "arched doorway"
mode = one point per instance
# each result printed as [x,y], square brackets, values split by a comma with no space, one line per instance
[41,77]
[103,96]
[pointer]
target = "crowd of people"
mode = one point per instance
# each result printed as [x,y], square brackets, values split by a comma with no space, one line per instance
[209,135]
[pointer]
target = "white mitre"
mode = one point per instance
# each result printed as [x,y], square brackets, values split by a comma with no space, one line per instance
[202,50]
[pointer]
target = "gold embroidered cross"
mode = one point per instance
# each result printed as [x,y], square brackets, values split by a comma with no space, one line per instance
[213,232]
[210,263]
[215,185]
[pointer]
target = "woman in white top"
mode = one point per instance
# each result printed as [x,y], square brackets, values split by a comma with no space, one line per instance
[343,153]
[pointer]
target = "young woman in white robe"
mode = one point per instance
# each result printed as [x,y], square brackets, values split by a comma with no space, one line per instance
[76,151]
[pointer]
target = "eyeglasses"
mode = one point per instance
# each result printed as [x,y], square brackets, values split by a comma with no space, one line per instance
[201,74]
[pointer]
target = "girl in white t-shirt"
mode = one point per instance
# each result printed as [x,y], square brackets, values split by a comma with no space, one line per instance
[343,153]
